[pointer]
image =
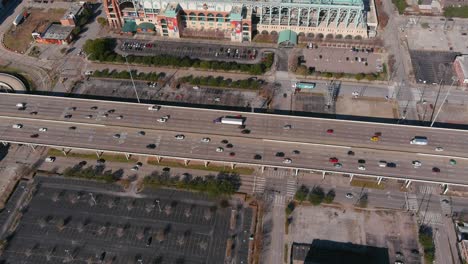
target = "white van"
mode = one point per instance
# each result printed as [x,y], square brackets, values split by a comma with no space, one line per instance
[418,140]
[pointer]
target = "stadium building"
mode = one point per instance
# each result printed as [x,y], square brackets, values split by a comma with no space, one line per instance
[239,20]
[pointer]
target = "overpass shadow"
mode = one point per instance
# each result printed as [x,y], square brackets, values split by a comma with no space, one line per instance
[260,110]
[332,252]
[9,8]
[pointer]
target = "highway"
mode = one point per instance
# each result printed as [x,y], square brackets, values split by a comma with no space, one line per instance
[267,137]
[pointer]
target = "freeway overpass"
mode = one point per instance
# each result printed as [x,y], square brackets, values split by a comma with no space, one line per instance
[307,143]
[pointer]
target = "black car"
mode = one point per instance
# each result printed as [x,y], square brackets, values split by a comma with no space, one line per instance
[141,133]
[257,157]
[101,161]
[72,128]
[229,145]
[297,152]
[33,113]
[94,108]
[151,146]
[242,127]
[166,169]
[351,153]
[111,111]
[361,161]
[67,116]
[245,131]
[391,165]
[148,242]
[224,141]
[83,163]
[35,135]
[279,154]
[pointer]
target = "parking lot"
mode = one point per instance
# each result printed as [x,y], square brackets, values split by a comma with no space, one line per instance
[392,231]
[201,51]
[89,222]
[433,66]
[343,60]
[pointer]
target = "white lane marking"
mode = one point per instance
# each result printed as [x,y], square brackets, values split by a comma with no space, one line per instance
[440,156]
[51,121]
[305,143]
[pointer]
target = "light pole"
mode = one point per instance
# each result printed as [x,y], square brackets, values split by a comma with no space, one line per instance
[443,102]
[92,198]
[131,77]
[159,206]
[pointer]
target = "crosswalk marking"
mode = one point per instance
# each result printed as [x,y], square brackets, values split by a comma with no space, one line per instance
[291,187]
[412,202]
[279,174]
[431,218]
[279,199]
[259,186]
[427,189]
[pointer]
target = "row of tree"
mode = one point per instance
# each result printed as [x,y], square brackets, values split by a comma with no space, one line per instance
[93,173]
[150,76]
[221,185]
[425,238]
[221,82]
[303,70]
[315,196]
[103,50]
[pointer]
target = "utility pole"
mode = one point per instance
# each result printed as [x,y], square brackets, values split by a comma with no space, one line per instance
[443,102]
[131,77]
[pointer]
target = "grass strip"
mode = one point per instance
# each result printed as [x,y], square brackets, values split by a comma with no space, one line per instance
[106,156]
[367,184]
[175,164]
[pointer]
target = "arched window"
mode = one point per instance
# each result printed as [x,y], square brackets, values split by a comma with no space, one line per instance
[211,17]
[201,17]
[219,18]
[192,16]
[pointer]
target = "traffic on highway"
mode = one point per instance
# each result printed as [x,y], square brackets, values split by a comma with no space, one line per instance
[401,152]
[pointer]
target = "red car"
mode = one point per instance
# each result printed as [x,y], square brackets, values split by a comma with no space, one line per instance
[333,160]
[330,131]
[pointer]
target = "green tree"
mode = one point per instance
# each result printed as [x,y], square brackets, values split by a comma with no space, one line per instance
[290,208]
[330,196]
[302,70]
[359,76]
[316,195]
[426,241]
[99,48]
[301,193]
[102,21]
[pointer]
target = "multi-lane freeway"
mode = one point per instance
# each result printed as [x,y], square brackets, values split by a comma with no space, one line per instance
[308,143]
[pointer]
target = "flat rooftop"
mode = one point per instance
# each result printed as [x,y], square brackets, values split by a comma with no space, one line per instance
[57,31]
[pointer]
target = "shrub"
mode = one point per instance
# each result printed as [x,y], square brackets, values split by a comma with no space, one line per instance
[301,193]
[330,196]
[290,208]
[316,196]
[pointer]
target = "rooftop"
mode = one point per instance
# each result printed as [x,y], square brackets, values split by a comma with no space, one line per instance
[57,31]
[73,11]
[463,60]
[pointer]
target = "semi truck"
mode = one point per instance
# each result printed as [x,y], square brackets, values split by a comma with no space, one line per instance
[230,120]
[18,19]
[304,85]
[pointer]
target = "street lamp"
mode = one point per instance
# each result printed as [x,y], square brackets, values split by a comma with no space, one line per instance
[454,79]
[131,77]
[159,206]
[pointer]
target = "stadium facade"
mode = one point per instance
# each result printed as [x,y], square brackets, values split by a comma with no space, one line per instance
[239,20]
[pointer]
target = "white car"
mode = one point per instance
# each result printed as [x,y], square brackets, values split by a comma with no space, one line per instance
[206,140]
[439,149]
[17,126]
[287,161]
[219,149]
[349,195]
[382,163]
[154,108]
[362,167]
[50,159]
[416,163]
[162,120]
[179,137]
[43,129]
[87,73]
[135,168]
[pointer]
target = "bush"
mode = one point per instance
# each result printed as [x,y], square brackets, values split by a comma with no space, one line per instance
[359,76]
[316,196]
[363,201]
[456,11]
[425,238]
[400,5]
[93,173]
[301,193]
[330,196]
[290,208]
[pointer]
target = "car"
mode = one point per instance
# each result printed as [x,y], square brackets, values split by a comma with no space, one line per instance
[71,108]
[439,149]
[119,117]
[361,161]
[287,161]
[245,131]
[205,140]
[162,120]
[219,149]
[374,139]
[287,127]
[50,159]
[330,131]
[416,163]
[415,251]
[67,116]
[21,105]
[297,152]
[148,242]
[83,163]
[399,262]
[166,169]
[101,161]
[154,107]
[179,137]
[151,146]
[224,141]
[139,164]
[72,128]
[257,157]
[94,107]
[435,169]
[350,153]
[141,133]
[104,115]
[279,154]
[333,160]
[398,254]
[33,113]
[88,73]
[116,136]
[135,168]
[349,195]
[232,154]
[445,201]
[241,127]
[17,126]
[34,135]
[378,134]
[452,162]
[89,116]
[229,145]
[362,167]
[382,163]
[391,165]
[337,165]
[111,111]
[43,129]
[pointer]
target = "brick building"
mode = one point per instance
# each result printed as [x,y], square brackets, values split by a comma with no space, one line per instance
[460,66]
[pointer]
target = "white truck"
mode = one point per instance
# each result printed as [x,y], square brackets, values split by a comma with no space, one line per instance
[230,120]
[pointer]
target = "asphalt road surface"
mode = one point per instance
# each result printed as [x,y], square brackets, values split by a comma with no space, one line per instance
[308,135]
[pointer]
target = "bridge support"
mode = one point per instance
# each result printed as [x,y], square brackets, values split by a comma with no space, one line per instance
[127,156]
[5,143]
[263,169]
[206,163]
[158,159]
[379,180]
[186,162]
[446,189]
[323,175]
[99,153]
[66,151]
[351,176]
[407,183]
[232,165]
[296,171]
[32,146]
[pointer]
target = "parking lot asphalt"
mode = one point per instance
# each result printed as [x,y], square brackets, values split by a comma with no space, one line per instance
[196,51]
[432,67]
[85,221]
